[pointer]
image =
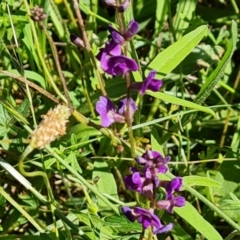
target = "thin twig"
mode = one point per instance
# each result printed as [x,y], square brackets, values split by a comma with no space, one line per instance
[30,84]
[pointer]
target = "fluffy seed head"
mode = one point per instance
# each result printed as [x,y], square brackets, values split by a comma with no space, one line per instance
[52,126]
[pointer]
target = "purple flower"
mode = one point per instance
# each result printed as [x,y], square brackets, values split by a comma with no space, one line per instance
[77,40]
[140,183]
[153,159]
[118,65]
[112,3]
[110,49]
[107,112]
[123,108]
[121,38]
[168,205]
[149,84]
[171,186]
[147,218]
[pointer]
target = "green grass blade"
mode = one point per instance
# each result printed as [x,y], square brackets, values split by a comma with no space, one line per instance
[210,82]
[174,100]
[168,59]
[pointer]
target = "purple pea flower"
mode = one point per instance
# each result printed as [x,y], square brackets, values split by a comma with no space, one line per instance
[153,159]
[171,186]
[118,65]
[123,108]
[147,218]
[140,182]
[107,112]
[121,38]
[149,84]
[168,205]
[110,49]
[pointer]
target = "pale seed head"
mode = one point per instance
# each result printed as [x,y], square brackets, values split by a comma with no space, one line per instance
[52,126]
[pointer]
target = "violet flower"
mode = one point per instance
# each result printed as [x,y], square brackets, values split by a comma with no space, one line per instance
[141,183]
[121,38]
[171,186]
[147,218]
[148,84]
[154,160]
[107,112]
[168,205]
[118,65]
[123,108]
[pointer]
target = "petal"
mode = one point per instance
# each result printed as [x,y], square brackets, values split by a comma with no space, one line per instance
[131,29]
[163,229]
[116,35]
[155,85]
[119,65]
[141,160]
[103,107]
[128,212]
[180,201]
[123,107]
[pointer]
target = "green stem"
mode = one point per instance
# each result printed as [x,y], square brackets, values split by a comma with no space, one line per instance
[82,180]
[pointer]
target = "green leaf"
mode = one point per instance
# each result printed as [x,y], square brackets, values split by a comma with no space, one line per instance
[216,75]
[174,100]
[106,183]
[168,59]
[192,216]
[210,82]
[201,181]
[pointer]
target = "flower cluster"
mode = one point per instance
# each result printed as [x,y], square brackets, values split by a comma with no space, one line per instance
[109,114]
[111,58]
[145,178]
[146,182]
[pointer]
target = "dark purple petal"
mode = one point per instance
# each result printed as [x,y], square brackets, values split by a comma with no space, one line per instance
[163,229]
[131,29]
[134,182]
[111,48]
[129,213]
[107,112]
[117,37]
[119,65]
[172,186]
[155,85]
[123,108]
[179,201]
[147,218]
[148,84]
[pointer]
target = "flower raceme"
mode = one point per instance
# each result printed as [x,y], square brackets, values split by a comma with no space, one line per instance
[111,59]
[109,113]
[145,181]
